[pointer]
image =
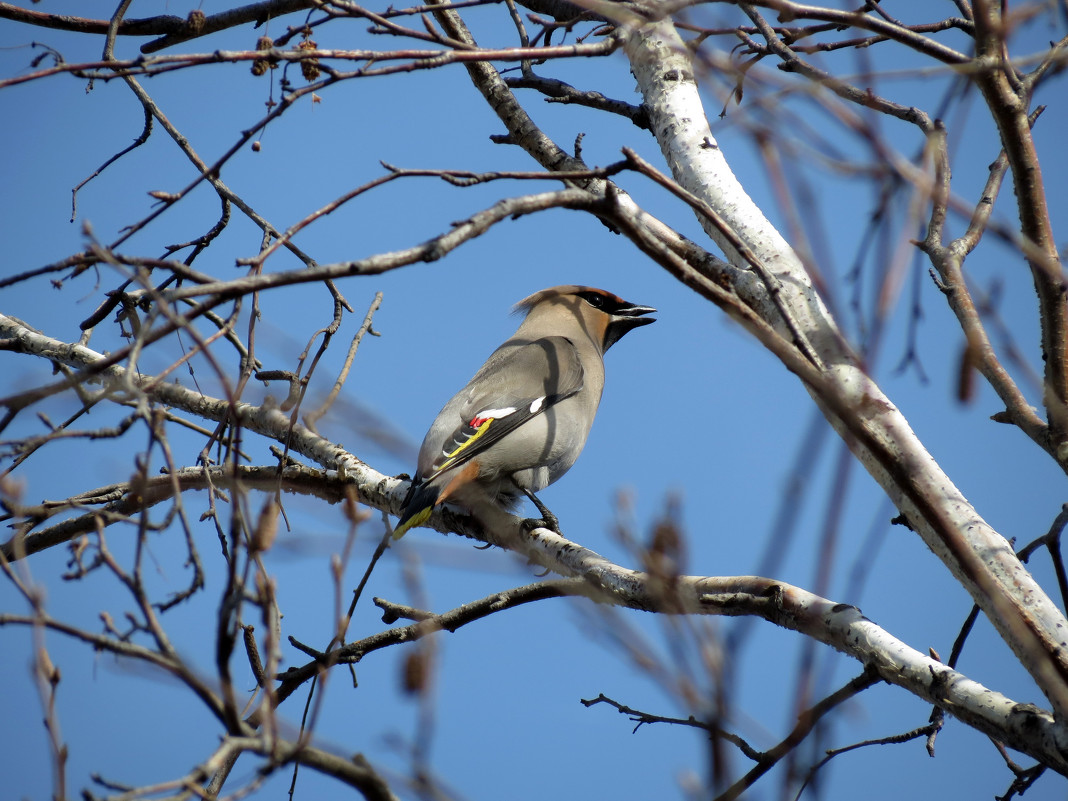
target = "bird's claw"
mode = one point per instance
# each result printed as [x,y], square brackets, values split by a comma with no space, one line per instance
[548,519]
[531,523]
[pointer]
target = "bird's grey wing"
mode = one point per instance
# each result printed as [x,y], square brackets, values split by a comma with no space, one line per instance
[519,381]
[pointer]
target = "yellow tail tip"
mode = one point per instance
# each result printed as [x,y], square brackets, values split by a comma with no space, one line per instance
[414,521]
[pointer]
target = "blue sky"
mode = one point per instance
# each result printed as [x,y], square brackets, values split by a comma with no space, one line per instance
[693,409]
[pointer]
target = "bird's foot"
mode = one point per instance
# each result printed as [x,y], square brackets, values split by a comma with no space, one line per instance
[548,519]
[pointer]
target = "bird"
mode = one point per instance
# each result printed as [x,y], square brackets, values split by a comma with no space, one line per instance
[522,420]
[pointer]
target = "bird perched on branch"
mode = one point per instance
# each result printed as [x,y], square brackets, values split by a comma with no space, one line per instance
[523,419]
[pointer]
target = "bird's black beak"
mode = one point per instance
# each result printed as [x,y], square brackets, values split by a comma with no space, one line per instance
[624,319]
[634,311]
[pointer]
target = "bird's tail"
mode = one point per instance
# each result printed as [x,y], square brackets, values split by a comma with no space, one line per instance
[418,504]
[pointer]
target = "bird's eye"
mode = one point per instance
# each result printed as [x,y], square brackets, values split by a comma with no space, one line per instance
[595,300]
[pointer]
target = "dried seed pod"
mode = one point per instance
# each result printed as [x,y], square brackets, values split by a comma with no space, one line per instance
[195,21]
[309,68]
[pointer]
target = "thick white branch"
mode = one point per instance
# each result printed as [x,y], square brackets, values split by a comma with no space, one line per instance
[843,627]
[980,558]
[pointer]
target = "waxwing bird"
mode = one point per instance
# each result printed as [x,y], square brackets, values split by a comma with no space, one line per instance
[523,419]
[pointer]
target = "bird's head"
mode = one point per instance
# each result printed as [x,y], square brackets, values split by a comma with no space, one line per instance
[606,317]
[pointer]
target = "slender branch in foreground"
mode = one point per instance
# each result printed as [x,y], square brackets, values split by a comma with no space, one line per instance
[640,719]
[312,417]
[948,260]
[64,22]
[807,720]
[15,335]
[923,731]
[118,502]
[410,60]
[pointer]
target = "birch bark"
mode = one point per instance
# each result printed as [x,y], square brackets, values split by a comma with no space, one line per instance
[876,431]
